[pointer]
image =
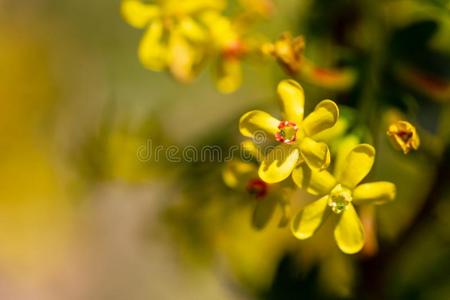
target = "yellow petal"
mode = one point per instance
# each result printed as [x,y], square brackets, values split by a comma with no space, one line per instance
[259,125]
[279,163]
[138,14]
[182,57]
[189,7]
[324,116]
[251,151]
[229,75]
[357,165]
[313,181]
[349,232]
[343,148]
[263,212]
[335,133]
[306,221]
[191,30]
[315,154]
[374,193]
[237,173]
[292,100]
[221,30]
[152,53]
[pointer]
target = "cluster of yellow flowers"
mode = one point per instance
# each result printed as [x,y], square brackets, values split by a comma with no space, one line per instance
[181,35]
[299,155]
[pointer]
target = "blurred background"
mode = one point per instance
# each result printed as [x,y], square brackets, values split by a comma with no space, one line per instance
[83,217]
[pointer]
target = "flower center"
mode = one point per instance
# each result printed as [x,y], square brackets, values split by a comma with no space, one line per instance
[339,198]
[257,188]
[287,132]
[405,136]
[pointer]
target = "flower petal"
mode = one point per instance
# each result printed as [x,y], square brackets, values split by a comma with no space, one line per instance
[374,193]
[229,75]
[279,163]
[176,7]
[324,116]
[182,57]
[349,232]
[138,14]
[221,29]
[259,125]
[251,151]
[343,148]
[316,155]
[192,30]
[313,181]
[292,100]
[263,212]
[357,165]
[152,53]
[306,221]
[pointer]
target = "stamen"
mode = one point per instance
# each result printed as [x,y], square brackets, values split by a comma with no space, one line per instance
[339,198]
[287,133]
[405,136]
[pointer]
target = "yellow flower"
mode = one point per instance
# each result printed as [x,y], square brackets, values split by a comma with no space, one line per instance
[243,176]
[228,73]
[294,134]
[403,136]
[173,39]
[289,53]
[338,195]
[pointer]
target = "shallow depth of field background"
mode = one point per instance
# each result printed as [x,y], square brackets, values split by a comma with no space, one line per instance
[81,217]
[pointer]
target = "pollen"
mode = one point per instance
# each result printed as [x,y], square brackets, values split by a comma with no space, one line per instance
[287,132]
[339,198]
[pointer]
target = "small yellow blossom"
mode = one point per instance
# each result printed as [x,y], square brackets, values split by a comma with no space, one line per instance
[173,39]
[182,35]
[243,176]
[338,194]
[289,53]
[403,136]
[294,134]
